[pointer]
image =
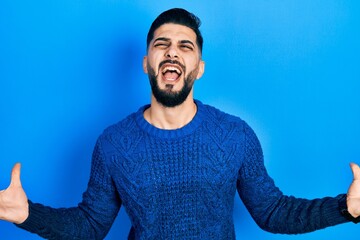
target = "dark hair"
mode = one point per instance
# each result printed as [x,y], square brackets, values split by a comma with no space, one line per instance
[177,16]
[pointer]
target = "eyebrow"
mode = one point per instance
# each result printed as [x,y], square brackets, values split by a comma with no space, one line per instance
[162,39]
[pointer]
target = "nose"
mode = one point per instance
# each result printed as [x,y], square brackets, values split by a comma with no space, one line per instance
[171,52]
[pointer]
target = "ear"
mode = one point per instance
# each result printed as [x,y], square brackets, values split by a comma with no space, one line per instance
[145,65]
[201,69]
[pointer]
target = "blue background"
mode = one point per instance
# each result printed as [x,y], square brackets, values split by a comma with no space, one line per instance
[70,68]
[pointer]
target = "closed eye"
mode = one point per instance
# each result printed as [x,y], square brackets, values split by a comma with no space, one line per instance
[186,44]
[186,47]
[161,42]
[161,45]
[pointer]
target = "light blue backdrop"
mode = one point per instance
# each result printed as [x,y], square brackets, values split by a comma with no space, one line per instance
[70,68]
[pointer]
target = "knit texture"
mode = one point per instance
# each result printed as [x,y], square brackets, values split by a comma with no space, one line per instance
[180,184]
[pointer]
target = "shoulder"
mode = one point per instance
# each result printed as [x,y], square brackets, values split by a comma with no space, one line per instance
[121,127]
[219,117]
[127,124]
[126,128]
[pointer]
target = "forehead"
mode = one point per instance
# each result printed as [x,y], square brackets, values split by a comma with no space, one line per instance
[175,32]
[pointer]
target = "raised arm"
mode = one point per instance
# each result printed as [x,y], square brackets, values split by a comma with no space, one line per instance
[271,209]
[14,205]
[91,219]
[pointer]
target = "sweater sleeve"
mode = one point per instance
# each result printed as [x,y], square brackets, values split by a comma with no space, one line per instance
[270,208]
[93,216]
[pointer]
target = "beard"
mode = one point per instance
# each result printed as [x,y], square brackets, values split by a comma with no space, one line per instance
[168,97]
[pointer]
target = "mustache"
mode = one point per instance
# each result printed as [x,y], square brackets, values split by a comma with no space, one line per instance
[172,62]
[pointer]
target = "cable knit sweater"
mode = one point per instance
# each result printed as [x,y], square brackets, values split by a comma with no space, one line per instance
[180,184]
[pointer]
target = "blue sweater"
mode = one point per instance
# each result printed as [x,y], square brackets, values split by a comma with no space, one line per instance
[180,184]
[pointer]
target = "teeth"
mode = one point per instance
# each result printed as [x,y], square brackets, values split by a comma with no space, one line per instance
[170,68]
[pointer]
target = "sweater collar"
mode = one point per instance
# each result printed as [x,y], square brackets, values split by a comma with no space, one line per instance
[174,133]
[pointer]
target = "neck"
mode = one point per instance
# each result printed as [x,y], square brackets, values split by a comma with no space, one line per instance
[170,118]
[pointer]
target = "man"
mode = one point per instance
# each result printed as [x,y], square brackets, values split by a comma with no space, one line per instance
[177,163]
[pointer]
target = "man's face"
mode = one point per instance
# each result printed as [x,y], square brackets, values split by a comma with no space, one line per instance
[173,63]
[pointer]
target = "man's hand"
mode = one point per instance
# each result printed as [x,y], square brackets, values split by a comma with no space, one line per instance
[14,205]
[353,195]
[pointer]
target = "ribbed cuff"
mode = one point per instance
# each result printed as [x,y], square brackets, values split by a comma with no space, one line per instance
[342,205]
[344,211]
[35,221]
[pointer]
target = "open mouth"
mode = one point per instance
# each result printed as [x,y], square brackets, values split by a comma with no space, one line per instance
[171,72]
